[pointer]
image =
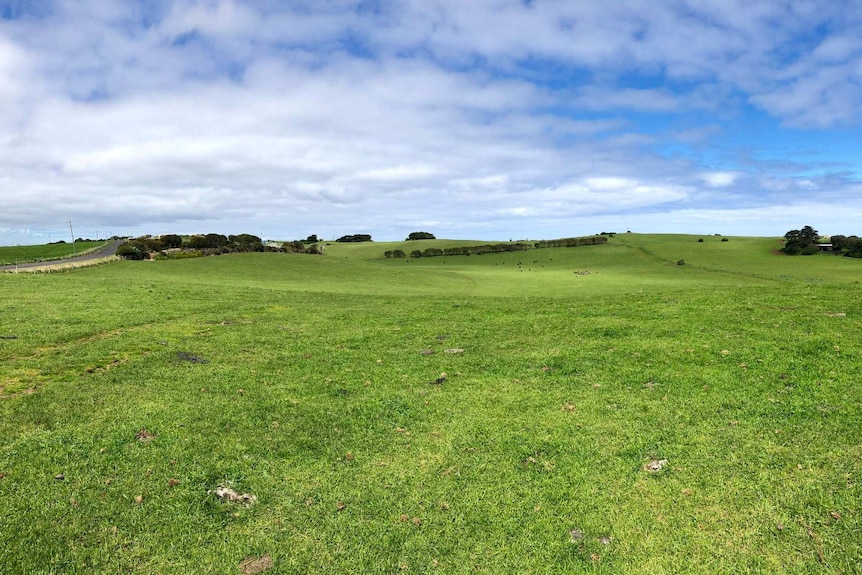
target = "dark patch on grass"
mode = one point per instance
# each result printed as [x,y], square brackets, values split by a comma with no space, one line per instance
[190,357]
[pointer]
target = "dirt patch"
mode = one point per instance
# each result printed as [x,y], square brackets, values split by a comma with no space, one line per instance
[145,436]
[255,565]
[228,494]
[655,465]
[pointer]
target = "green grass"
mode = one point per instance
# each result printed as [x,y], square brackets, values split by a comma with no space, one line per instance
[23,254]
[740,368]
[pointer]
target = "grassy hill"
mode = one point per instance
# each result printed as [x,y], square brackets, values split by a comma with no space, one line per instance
[482,414]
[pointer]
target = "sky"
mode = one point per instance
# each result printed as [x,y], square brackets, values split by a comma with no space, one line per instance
[479,119]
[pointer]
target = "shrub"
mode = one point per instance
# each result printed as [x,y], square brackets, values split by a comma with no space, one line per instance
[700,240]
[724,239]
[680,263]
[130,253]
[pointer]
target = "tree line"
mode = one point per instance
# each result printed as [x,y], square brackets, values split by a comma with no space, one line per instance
[497,248]
[806,241]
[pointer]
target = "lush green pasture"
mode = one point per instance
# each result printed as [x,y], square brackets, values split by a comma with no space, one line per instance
[22,254]
[322,386]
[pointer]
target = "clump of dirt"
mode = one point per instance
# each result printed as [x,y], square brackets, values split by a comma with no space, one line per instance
[144,435]
[229,494]
[190,357]
[655,465]
[256,565]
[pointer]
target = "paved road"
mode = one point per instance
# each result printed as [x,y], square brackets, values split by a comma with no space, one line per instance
[108,250]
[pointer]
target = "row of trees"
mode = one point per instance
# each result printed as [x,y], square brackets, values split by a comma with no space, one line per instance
[209,244]
[850,246]
[497,248]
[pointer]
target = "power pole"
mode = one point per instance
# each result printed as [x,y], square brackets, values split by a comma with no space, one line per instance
[73,237]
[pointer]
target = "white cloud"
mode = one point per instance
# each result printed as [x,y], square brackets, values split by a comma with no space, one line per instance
[719,179]
[485,117]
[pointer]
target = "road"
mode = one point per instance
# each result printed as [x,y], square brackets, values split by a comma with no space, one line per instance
[108,250]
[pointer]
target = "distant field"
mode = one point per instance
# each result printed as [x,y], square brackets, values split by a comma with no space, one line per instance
[24,254]
[482,414]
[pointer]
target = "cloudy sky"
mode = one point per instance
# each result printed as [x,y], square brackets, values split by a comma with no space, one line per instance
[485,119]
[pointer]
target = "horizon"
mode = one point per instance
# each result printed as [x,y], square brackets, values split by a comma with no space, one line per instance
[522,118]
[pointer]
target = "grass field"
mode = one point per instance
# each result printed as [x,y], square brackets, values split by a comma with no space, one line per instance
[439,415]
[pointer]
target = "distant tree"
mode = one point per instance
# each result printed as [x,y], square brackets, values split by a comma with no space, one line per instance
[398,254]
[172,241]
[355,238]
[416,254]
[312,239]
[802,241]
[838,242]
[246,243]
[421,236]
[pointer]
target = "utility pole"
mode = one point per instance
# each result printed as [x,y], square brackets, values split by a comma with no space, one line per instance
[73,237]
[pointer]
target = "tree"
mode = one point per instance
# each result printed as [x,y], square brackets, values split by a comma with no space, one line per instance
[355,238]
[421,236]
[312,239]
[172,241]
[809,235]
[802,241]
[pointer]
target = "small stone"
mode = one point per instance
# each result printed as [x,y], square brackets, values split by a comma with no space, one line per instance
[59,477]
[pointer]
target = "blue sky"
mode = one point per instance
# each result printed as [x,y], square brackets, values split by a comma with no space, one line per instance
[488,119]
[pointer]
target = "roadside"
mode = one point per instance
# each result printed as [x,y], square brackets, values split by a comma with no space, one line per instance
[107,251]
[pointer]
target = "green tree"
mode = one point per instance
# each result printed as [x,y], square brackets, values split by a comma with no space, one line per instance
[421,236]
[802,241]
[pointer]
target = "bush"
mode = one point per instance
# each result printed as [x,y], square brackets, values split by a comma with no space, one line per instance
[130,253]
[700,241]
[724,239]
